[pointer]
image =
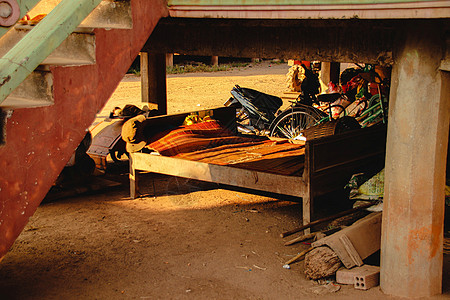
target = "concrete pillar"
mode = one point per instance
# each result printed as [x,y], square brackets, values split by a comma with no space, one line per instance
[153,80]
[413,216]
[329,71]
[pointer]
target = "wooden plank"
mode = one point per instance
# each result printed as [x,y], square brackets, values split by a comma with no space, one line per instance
[369,41]
[336,179]
[352,152]
[326,219]
[347,148]
[284,2]
[301,238]
[280,184]
[335,10]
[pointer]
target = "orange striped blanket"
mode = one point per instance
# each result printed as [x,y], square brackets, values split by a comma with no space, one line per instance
[211,143]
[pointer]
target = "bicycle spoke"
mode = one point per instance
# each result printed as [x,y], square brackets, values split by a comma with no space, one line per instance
[292,122]
[285,133]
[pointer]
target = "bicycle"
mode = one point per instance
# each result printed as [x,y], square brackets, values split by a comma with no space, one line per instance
[258,113]
[294,120]
[255,110]
[377,110]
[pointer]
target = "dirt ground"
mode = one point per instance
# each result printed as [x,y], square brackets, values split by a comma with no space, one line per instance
[184,239]
[194,91]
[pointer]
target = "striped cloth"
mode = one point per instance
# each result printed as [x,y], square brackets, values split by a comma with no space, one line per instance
[210,143]
[195,137]
[269,156]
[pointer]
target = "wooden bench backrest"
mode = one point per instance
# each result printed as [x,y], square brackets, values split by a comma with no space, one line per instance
[330,161]
[225,115]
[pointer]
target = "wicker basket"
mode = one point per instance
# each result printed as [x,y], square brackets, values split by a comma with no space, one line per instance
[332,127]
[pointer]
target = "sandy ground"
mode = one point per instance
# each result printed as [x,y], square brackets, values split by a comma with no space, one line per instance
[184,239]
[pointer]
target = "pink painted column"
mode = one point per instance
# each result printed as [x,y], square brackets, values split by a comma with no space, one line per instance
[39,141]
[413,217]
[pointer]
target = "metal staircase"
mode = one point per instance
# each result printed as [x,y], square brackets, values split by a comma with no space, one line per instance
[58,40]
[54,78]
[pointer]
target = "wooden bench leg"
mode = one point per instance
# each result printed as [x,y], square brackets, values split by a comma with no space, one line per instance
[307,212]
[133,179]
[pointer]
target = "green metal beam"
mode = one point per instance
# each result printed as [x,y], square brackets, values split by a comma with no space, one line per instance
[25,6]
[26,55]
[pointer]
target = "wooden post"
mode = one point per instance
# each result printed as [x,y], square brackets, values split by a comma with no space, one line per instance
[214,60]
[169,59]
[307,205]
[413,216]
[153,80]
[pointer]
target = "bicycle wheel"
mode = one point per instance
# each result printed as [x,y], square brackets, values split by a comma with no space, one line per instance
[292,121]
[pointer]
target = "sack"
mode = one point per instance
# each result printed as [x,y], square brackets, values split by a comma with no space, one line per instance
[372,189]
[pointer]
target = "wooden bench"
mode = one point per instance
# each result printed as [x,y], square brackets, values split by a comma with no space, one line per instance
[329,163]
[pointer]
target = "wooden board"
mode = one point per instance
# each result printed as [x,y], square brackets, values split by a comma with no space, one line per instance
[309,9]
[274,183]
[333,159]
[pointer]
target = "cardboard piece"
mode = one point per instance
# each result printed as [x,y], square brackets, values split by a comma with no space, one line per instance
[356,242]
